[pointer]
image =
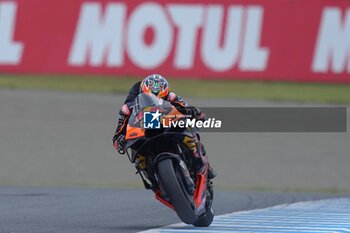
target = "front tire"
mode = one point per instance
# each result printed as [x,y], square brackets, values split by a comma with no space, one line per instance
[173,189]
[205,220]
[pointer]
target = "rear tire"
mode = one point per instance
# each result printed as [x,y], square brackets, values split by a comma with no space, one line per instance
[175,192]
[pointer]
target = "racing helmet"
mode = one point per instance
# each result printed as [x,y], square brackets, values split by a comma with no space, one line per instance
[155,84]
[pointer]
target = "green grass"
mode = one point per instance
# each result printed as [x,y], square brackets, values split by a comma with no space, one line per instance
[275,91]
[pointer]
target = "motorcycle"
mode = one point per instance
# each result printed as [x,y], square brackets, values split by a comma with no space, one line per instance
[165,162]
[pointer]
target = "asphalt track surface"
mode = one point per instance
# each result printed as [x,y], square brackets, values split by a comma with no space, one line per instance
[72,210]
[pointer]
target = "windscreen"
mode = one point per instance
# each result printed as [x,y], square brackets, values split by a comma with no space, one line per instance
[147,102]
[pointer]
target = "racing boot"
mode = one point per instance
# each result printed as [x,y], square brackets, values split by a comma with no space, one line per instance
[211,172]
[199,151]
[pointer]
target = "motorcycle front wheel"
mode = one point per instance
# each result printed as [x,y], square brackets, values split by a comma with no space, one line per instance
[173,187]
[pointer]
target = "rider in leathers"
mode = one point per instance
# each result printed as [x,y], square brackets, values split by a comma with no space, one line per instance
[159,86]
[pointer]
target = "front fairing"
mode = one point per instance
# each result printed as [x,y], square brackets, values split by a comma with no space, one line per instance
[136,132]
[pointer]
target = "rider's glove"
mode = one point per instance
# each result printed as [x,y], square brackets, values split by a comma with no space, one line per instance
[119,143]
[196,113]
[201,116]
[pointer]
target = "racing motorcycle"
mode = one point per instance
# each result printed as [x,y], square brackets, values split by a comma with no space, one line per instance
[165,162]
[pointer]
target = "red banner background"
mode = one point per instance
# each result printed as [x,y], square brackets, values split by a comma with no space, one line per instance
[279,40]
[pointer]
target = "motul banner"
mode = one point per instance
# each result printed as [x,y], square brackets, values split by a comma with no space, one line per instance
[293,40]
